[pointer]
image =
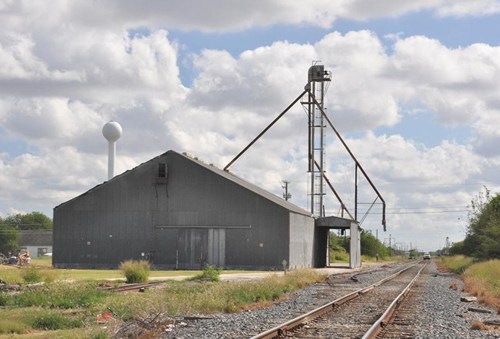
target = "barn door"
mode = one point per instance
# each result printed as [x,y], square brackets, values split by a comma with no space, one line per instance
[217,247]
[192,248]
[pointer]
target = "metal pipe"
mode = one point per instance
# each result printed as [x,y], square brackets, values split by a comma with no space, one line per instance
[356,192]
[265,130]
[344,208]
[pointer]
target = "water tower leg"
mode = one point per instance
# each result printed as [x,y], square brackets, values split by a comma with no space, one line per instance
[111,159]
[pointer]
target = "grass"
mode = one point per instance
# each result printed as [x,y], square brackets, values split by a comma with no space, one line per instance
[338,256]
[55,321]
[12,274]
[483,280]
[40,323]
[457,264]
[56,296]
[208,297]
[480,279]
[69,310]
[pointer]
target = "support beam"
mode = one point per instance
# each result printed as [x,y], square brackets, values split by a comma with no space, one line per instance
[264,131]
[355,246]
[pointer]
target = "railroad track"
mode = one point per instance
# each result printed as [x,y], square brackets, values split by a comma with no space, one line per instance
[133,287]
[359,314]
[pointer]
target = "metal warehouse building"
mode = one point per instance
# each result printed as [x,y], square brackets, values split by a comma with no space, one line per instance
[181,213]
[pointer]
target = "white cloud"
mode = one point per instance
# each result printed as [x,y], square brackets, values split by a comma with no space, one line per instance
[463,8]
[362,98]
[457,84]
[65,16]
[487,134]
[264,77]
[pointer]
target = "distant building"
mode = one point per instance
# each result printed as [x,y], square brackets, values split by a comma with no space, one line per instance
[37,242]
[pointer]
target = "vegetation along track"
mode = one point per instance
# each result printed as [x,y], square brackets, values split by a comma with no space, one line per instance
[352,315]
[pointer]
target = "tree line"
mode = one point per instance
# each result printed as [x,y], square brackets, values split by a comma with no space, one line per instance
[12,224]
[370,245]
[482,240]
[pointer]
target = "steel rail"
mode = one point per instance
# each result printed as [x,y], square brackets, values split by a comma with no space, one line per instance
[282,329]
[131,287]
[384,319]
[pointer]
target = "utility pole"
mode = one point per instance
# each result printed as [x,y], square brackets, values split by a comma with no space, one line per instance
[390,246]
[286,195]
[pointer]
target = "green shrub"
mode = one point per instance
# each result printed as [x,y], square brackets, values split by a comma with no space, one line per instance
[135,271]
[210,273]
[32,275]
[55,321]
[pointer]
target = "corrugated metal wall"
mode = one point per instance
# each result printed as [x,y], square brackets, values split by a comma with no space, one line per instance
[190,217]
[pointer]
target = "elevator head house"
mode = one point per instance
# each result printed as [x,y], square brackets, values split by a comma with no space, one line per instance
[180,213]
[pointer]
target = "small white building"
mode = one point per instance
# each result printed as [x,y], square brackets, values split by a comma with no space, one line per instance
[37,242]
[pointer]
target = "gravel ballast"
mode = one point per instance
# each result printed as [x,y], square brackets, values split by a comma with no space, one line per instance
[440,314]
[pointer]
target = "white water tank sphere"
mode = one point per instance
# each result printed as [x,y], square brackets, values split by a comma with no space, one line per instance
[112,131]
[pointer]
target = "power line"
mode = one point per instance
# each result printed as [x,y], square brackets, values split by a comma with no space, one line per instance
[420,212]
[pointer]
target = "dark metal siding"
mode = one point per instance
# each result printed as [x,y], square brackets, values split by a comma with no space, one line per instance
[137,212]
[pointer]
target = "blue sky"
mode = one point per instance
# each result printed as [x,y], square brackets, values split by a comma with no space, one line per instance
[452,32]
[415,93]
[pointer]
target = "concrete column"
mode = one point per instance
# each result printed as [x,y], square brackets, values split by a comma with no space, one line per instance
[355,246]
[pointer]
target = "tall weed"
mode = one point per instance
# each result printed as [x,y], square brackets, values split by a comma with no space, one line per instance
[31,274]
[135,271]
[483,280]
[457,263]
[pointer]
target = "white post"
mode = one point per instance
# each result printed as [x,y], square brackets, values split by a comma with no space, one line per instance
[355,247]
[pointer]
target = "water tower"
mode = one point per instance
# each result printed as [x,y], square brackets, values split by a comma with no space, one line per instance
[112,131]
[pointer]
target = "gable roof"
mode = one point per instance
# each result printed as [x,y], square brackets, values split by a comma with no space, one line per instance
[227,175]
[35,238]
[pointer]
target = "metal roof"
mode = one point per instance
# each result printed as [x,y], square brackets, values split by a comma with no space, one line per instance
[35,238]
[249,186]
[227,175]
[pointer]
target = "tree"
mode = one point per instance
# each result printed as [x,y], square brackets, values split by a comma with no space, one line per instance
[339,243]
[483,234]
[29,221]
[8,237]
[370,246]
[457,248]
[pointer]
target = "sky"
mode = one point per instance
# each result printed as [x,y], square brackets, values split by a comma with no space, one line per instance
[414,93]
